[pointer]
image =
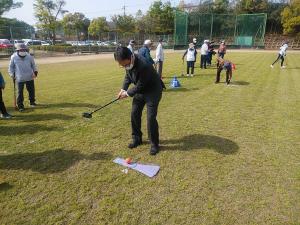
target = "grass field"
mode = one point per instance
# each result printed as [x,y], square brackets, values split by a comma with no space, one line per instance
[229,154]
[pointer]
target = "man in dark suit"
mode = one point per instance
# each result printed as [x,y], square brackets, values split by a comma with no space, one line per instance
[147,91]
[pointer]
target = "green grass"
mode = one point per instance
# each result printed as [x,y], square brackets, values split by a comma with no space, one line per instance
[230,154]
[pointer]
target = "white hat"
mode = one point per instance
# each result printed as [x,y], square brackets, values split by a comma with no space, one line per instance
[206,41]
[132,42]
[194,39]
[147,42]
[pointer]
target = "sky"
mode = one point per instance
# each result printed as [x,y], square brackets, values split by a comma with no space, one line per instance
[91,8]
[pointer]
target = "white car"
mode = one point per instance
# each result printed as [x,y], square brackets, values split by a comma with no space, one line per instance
[44,43]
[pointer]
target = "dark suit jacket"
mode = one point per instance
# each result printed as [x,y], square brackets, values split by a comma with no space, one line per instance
[144,77]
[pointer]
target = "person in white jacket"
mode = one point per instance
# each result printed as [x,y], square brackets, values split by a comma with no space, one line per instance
[159,59]
[23,70]
[191,55]
[204,52]
[281,54]
[131,45]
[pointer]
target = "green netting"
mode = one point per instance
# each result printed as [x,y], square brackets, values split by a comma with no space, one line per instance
[242,29]
[180,34]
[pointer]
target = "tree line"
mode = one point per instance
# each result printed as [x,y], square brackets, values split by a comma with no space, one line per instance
[53,18]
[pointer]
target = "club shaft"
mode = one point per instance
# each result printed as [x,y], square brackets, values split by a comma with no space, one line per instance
[104,106]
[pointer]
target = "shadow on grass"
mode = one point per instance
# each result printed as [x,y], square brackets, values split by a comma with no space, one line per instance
[44,117]
[199,141]
[54,161]
[24,129]
[5,186]
[240,83]
[181,89]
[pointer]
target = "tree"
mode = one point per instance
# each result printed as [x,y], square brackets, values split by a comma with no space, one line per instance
[15,29]
[47,13]
[221,6]
[252,6]
[162,17]
[6,5]
[124,23]
[98,26]
[291,18]
[142,23]
[75,24]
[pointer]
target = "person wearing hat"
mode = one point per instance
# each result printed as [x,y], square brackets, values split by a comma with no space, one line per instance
[159,59]
[191,55]
[131,45]
[3,111]
[23,70]
[147,90]
[204,51]
[145,51]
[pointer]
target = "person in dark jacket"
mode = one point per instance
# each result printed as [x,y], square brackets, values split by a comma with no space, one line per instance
[145,51]
[228,66]
[3,111]
[147,91]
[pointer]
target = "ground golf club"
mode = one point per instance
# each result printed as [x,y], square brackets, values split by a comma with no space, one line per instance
[89,114]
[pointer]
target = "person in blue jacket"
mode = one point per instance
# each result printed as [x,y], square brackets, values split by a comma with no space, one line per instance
[145,51]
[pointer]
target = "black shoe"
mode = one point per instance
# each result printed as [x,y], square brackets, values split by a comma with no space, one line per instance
[33,104]
[154,149]
[21,109]
[135,142]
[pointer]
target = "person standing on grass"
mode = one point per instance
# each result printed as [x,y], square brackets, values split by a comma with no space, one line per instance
[222,50]
[3,111]
[281,55]
[204,51]
[159,59]
[131,45]
[147,91]
[191,55]
[23,70]
[228,66]
[145,52]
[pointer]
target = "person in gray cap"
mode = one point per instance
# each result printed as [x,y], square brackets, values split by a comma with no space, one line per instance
[131,45]
[23,70]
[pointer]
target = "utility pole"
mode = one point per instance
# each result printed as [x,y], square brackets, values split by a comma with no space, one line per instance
[124,8]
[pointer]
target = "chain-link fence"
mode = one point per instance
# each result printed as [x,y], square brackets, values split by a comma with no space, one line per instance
[72,44]
[243,30]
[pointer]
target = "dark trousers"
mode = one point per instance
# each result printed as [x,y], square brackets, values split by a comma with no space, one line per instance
[279,57]
[138,103]
[190,64]
[209,58]
[203,61]
[160,68]
[2,106]
[31,91]
[221,55]
[228,74]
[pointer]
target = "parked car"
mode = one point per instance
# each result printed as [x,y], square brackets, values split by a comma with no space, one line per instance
[5,43]
[30,42]
[45,43]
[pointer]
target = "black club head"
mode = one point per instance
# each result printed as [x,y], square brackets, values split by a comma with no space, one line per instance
[87,115]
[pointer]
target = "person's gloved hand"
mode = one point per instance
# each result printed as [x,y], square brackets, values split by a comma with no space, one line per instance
[34,75]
